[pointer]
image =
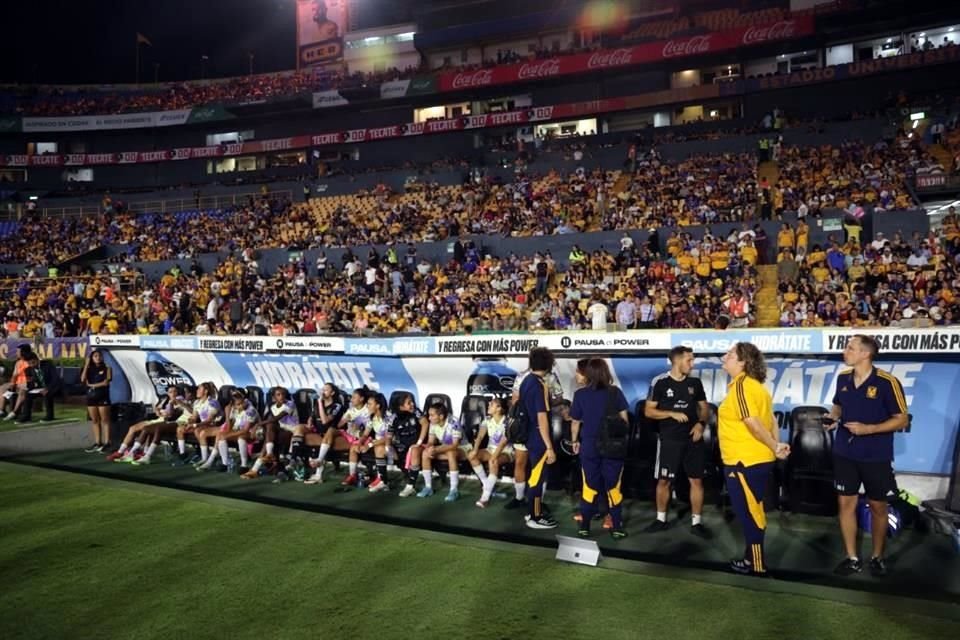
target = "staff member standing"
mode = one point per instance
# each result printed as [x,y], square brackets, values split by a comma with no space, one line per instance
[868,406]
[679,405]
[748,446]
[592,405]
[535,395]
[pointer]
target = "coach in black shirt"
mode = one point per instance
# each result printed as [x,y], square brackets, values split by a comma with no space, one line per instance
[679,404]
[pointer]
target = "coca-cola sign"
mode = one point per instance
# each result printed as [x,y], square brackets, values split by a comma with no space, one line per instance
[607,59]
[687,46]
[777,31]
[480,78]
[542,69]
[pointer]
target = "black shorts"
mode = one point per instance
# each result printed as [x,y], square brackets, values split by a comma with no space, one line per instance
[877,478]
[99,397]
[674,454]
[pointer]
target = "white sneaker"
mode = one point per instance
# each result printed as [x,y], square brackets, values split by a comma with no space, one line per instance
[10,416]
[316,478]
[408,491]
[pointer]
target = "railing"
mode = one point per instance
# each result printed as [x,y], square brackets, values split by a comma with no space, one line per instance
[156,206]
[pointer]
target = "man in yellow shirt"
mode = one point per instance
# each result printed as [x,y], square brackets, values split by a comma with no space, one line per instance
[749,445]
[95,323]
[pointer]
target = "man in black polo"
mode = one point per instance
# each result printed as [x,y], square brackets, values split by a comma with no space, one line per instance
[868,407]
[679,404]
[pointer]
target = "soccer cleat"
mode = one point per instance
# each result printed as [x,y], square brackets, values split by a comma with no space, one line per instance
[618,534]
[848,567]
[408,491]
[94,448]
[141,461]
[316,478]
[377,485]
[426,492]
[453,496]
[515,504]
[250,475]
[349,481]
[127,458]
[741,566]
[115,456]
[656,526]
[138,455]
[701,532]
[10,416]
[543,522]
[608,522]
[878,568]
[583,533]
[481,504]
[204,467]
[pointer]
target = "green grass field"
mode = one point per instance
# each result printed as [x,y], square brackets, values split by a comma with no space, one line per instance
[64,413]
[85,558]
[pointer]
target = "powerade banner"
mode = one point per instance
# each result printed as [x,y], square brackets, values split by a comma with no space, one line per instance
[930,388]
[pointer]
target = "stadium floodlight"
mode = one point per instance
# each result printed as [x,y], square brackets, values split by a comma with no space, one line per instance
[918,115]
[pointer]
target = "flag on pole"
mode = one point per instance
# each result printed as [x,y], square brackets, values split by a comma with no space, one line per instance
[142,39]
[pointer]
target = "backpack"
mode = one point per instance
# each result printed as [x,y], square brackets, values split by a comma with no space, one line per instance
[518,422]
[614,437]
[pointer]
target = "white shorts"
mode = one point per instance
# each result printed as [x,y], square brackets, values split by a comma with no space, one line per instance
[507,451]
[519,447]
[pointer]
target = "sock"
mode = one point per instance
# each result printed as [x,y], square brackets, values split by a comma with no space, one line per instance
[454,481]
[244,456]
[257,464]
[204,452]
[224,452]
[488,487]
[296,443]
[382,469]
[182,447]
[324,450]
[353,468]
[122,449]
[480,473]
[427,478]
[662,516]
[696,519]
[134,448]
[150,450]
[519,489]
[412,474]
[269,448]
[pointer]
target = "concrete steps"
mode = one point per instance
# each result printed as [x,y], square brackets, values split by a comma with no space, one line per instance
[765,300]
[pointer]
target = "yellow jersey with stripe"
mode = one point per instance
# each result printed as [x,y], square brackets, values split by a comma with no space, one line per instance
[746,398]
[876,400]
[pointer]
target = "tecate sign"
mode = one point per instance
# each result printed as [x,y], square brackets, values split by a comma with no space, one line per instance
[687,46]
[607,59]
[543,69]
[775,31]
[479,78]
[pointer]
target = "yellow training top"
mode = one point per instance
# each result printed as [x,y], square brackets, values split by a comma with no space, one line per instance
[746,397]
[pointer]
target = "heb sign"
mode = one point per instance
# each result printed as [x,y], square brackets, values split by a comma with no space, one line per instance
[932,181]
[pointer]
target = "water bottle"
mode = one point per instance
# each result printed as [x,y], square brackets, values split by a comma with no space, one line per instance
[166,451]
[361,479]
[491,377]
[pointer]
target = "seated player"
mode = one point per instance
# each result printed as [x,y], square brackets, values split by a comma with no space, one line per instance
[376,437]
[167,411]
[443,442]
[204,413]
[348,432]
[330,410]
[498,451]
[281,414]
[410,428]
[240,417]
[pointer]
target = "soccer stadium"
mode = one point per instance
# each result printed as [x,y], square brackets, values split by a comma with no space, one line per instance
[480,319]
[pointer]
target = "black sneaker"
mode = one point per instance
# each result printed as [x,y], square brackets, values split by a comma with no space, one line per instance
[656,526]
[745,568]
[618,534]
[543,522]
[849,566]
[515,504]
[94,448]
[701,531]
[878,568]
